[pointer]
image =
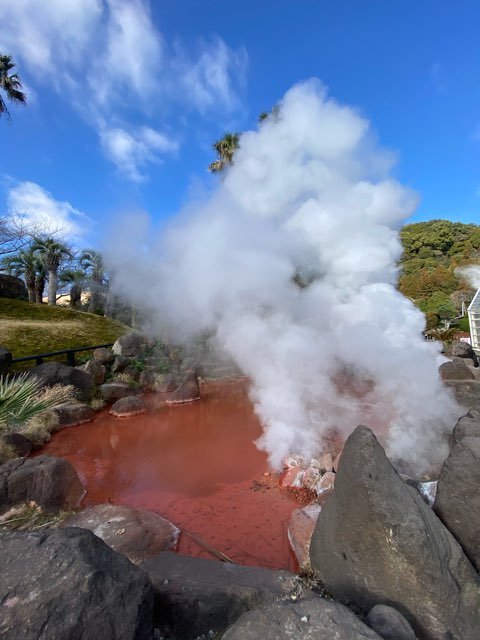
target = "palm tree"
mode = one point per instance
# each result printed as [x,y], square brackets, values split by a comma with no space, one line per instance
[225,149]
[52,254]
[75,278]
[10,84]
[27,264]
[40,281]
[274,114]
[92,262]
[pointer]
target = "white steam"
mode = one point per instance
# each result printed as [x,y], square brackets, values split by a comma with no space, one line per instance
[309,200]
[471,274]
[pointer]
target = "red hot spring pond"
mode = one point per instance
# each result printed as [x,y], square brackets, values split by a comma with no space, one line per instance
[195,464]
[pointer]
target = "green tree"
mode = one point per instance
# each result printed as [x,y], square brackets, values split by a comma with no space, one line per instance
[225,149]
[92,263]
[10,84]
[52,254]
[75,279]
[274,114]
[29,265]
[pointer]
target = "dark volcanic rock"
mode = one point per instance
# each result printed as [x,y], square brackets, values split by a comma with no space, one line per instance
[103,355]
[147,380]
[389,623]
[455,370]
[12,287]
[113,391]
[467,426]
[135,533]
[131,345]
[461,349]
[188,391]
[376,542]
[51,373]
[195,595]
[96,370]
[458,496]
[127,407]
[167,384]
[51,482]
[22,445]
[68,585]
[309,619]
[120,363]
[5,360]
[72,414]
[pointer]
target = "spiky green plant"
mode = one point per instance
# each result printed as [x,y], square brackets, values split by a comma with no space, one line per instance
[22,398]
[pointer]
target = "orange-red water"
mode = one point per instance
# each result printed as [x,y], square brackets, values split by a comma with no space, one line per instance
[194,464]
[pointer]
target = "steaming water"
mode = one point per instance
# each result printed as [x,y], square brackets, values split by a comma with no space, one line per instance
[291,262]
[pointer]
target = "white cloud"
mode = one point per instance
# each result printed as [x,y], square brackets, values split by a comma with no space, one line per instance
[132,56]
[208,79]
[40,210]
[107,57]
[48,36]
[132,152]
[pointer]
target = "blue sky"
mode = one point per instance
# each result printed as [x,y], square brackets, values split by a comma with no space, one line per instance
[126,96]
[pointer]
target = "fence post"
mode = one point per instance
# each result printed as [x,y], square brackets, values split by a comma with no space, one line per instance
[39,360]
[71,358]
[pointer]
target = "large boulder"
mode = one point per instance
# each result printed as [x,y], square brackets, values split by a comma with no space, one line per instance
[377,542]
[147,380]
[166,384]
[12,287]
[50,482]
[135,533]
[461,349]
[309,619]
[20,444]
[113,391]
[120,363]
[458,497]
[96,369]
[128,407]
[456,370]
[466,392]
[389,623]
[196,595]
[188,391]
[67,584]
[131,345]
[5,360]
[71,414]
[52,373]
[467,426]
[103,355]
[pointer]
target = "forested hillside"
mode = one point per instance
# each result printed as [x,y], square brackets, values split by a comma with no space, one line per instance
[433,251]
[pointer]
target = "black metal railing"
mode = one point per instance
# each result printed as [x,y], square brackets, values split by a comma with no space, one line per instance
[70,353]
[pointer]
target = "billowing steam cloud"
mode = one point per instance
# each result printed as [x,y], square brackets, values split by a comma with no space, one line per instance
[292,262]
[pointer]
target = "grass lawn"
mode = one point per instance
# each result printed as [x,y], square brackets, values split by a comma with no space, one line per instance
[27,329]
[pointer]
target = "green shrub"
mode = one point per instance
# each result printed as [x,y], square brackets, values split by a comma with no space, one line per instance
[22,398]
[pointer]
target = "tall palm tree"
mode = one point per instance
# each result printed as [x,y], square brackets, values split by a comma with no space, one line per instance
[225,149]
[52,254]
[40,281]
[92,262]
[10,83]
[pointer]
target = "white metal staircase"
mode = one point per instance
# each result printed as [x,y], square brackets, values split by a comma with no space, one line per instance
[474,320]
